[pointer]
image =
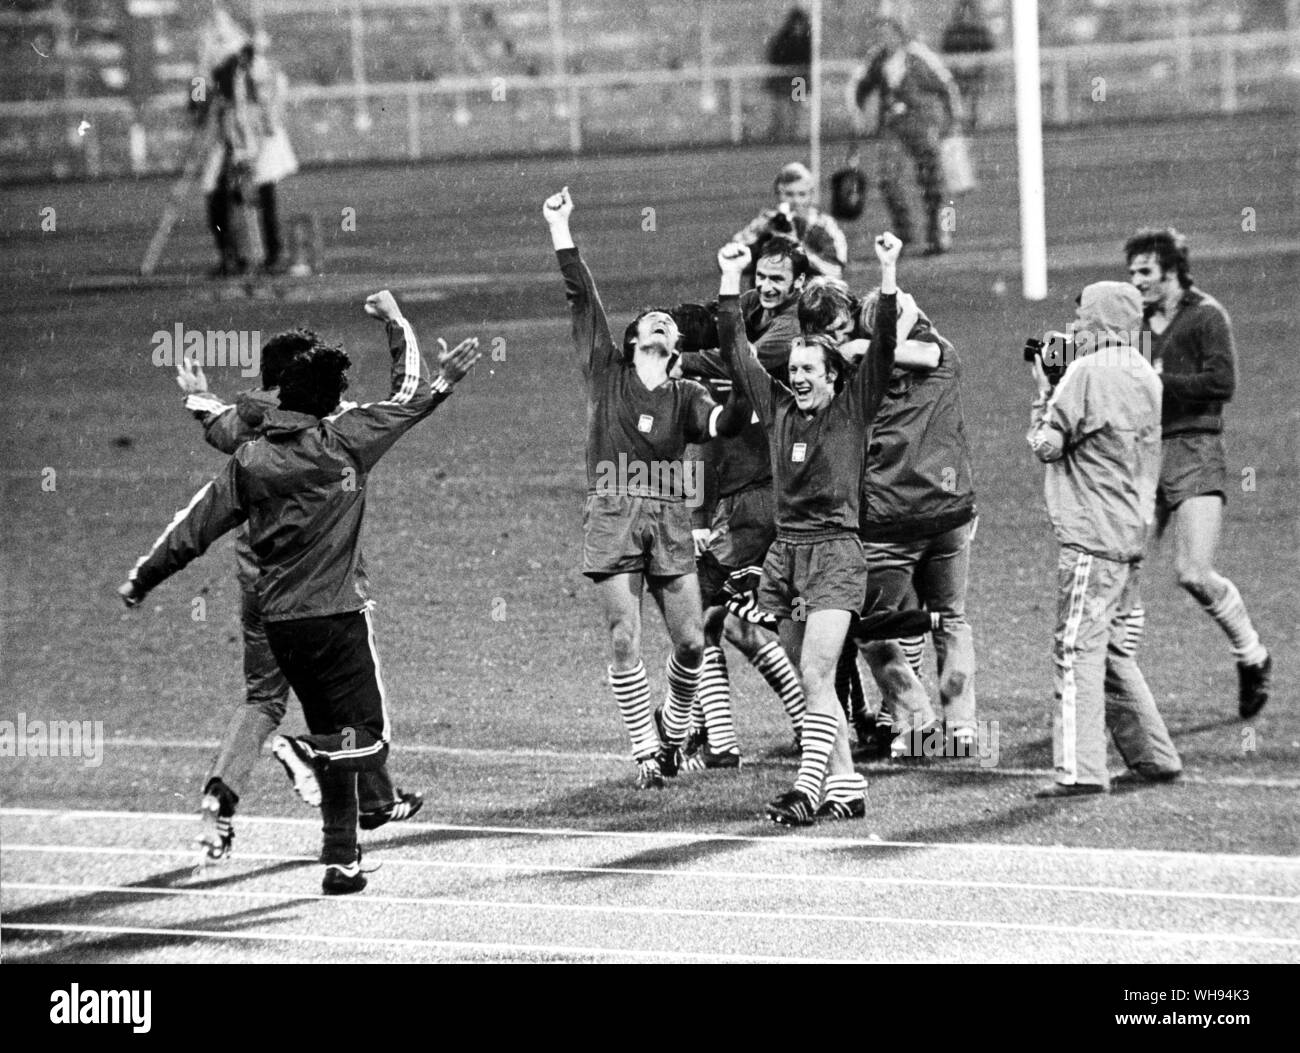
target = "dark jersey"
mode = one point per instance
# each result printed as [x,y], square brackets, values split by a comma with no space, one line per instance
[301,487]
[817,458]
[635,436]
[1199,364]
[742,461]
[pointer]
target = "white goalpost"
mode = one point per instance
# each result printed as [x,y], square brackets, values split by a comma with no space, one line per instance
[815,98]
[1029,149]
[1029,136]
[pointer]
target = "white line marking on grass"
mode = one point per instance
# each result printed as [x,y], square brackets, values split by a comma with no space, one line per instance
[435,945]
[687,837]
[803,877]
[690,912]
[1240,781]
[414,747]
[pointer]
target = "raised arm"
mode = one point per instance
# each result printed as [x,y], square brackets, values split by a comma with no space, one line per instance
[748,377]
[591,335]
[917,344]
[872,378]
[223,427]
[370,430]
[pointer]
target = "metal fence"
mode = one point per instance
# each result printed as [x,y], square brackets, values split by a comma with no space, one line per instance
[642,109]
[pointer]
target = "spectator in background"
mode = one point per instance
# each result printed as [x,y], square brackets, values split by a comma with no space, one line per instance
[211,101]
[790,45]
[919,106]
[265,90]
[248,148]
[796,216]
[968,33]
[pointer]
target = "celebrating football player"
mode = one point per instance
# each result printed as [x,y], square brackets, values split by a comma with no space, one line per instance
[636,523]
[301,488]
[815,573]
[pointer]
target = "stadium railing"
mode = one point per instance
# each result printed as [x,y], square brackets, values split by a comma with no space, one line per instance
[641,109]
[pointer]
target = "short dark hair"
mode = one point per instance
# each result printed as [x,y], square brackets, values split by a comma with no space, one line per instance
[1169,248]
[821,302]
[314,380]
[629,334]
[278,352]
[831,357]
[781,247]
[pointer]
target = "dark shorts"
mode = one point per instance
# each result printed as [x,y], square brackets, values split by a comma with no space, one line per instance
[636,535]
[1193,465]
[743,529]
[800,578]
[330,664]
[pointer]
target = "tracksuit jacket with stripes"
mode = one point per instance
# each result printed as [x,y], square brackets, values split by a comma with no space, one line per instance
[301,486]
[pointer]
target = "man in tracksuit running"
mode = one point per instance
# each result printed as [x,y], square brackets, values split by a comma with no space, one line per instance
[301,488]
[226,428]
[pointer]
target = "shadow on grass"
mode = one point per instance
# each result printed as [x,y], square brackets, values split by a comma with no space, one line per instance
[983,830]
[1209,725]
[113,947]
[78,908]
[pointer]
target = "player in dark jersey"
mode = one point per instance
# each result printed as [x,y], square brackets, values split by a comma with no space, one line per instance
[636,522]
[735,534]
[1192,349]
[815,574]
[828,306]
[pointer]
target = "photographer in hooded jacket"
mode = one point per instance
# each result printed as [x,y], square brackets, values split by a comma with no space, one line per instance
[1098,431]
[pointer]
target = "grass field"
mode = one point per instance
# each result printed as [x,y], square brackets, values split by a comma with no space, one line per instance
[533,845]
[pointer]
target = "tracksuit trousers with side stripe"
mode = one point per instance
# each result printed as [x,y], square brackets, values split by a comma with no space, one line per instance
[261,712]
[1099,686]
[333,668]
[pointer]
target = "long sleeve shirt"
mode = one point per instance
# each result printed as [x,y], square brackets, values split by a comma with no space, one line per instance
[301,486]
[636,437]
[817,457]
[1198,362]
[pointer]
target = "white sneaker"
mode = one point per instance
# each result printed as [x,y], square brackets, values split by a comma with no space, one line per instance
[297,761]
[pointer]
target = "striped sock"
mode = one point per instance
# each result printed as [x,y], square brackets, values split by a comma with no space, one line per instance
[914,652]
[1229,610]
[682,684]
[773,664]
[1134,623]
[846,788]
[715,698]
[819,730]
[632,692]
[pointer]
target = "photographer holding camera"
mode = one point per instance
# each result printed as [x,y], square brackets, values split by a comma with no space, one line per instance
[1098,431]
[795,216]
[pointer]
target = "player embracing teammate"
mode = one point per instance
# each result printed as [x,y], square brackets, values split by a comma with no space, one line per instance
[815,573]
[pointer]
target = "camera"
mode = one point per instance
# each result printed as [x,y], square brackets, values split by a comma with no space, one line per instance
[1056,358]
